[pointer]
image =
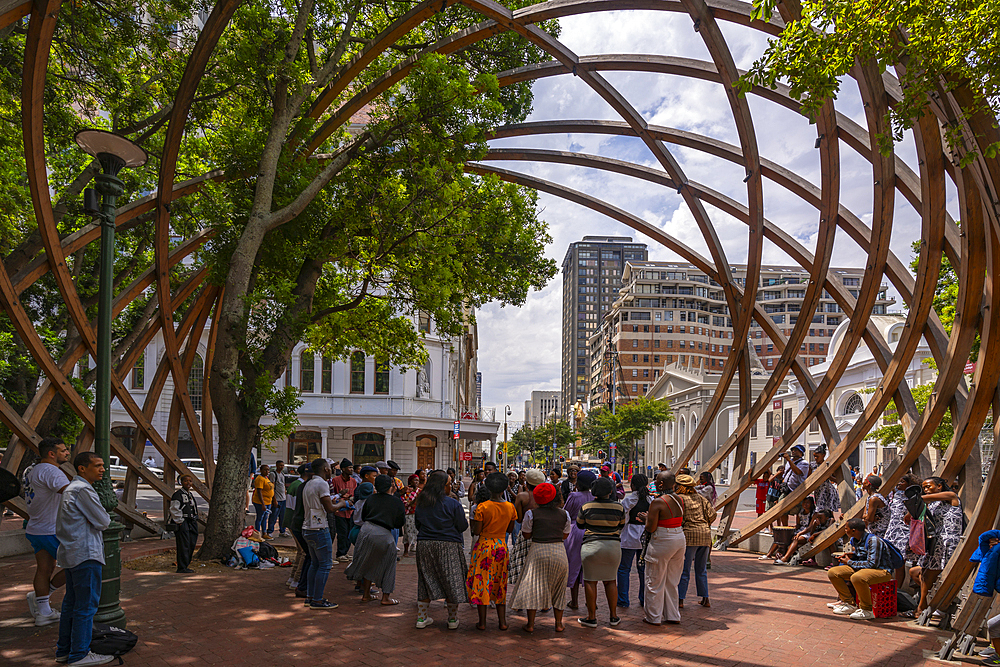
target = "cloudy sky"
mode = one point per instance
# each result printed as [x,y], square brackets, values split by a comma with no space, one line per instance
[519,347]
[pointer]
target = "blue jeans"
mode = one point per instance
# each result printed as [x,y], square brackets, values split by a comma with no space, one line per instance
[303,586]
[277,510]
[76,624]
[624,574]
[320,561]
[699,556]
[263,512]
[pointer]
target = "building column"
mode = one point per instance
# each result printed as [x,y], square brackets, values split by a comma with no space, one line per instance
[388,443]
[324,434]
[493,448]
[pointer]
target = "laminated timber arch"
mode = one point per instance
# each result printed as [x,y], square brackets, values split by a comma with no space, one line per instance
[973,251]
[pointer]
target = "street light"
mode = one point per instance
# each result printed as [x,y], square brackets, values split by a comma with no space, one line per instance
[506,453]
[115,153]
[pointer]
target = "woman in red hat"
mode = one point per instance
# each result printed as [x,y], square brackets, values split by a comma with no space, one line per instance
[542,582]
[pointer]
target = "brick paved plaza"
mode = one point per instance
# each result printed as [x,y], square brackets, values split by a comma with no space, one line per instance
[761,616]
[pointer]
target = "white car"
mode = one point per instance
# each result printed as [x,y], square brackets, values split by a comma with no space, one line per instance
[118,470]
[196,467]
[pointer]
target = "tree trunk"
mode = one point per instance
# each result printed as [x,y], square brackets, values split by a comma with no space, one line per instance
[237,430]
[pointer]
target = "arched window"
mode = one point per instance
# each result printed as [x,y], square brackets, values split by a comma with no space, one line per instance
[196,382]
[682,432]
[307,372]
[368,448]
[854,405]
[358,373]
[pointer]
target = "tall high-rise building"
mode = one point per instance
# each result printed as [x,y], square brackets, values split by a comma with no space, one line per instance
[592,273]
[672,314]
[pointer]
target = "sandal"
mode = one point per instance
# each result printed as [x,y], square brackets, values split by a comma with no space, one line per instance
[389,603]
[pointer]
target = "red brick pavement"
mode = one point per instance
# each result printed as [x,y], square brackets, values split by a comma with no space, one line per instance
[762,616]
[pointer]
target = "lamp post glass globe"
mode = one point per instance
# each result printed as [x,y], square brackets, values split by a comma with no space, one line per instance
[114,151]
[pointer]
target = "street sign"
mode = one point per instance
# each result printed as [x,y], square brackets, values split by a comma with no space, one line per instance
[777,405]
[458,430]
[465,456]
[970,368]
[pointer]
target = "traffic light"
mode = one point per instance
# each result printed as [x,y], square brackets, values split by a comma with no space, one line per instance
[600,454]
[562,459]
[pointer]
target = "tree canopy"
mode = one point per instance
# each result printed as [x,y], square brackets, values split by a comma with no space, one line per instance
[934,45]
[625,426]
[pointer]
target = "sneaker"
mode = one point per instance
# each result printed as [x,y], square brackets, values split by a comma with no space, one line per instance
[781,562]
[453,624]
[834,605]
[308,602]
[844,609]
[427,620]
[988,652]
[862,615]
[323,604]
[42,621]
[992,660]
[62,658]
[764,557]
[588,622]
[267,536]
[299,594]
[93,659]
[32,605]
[615,620]
[344,559]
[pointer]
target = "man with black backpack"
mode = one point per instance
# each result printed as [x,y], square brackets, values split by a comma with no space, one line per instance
[872,562]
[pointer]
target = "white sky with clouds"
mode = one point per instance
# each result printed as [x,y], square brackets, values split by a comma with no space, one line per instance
[519,348]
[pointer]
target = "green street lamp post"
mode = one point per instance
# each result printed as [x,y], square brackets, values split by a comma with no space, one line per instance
[114,153]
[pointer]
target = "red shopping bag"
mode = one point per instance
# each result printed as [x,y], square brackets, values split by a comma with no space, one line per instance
[918,543]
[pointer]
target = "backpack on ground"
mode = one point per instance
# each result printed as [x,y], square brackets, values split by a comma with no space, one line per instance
[267,552]
[109,640]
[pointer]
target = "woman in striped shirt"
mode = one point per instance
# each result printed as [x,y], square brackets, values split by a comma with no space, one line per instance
[602,521]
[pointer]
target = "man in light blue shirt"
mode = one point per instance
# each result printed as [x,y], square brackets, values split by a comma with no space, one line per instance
[79,524]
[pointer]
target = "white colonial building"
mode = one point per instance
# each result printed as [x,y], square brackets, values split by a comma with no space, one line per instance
[359,409]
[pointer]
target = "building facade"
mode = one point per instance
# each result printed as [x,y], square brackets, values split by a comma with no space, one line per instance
[591,274]
[542,404]
[670,313]
[358,408]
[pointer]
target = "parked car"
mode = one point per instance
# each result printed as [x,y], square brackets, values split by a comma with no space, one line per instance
[118,470]
[196,466]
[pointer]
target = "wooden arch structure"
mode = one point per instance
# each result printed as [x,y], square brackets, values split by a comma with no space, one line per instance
[973,249]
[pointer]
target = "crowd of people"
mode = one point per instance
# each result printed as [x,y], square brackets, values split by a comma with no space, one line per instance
[536,537]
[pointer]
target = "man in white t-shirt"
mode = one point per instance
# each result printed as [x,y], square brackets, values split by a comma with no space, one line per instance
[316,503]
[42,488]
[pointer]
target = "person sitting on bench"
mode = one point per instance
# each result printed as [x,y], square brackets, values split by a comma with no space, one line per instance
[820,521]
[869,564]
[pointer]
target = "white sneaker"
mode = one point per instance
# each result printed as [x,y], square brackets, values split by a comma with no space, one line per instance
[93,659]
[32,604]
[453,624]
[834,605]
[844,609]
[862,615]
[424,623]
[764,557]
[62,658]
[42,621]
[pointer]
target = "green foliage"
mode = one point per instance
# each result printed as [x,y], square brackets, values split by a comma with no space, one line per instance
[941,42]
[945,298]
[629,423]
[535,440]
[892,435]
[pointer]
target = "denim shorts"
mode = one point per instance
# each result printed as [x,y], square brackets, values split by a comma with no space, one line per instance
[49,543]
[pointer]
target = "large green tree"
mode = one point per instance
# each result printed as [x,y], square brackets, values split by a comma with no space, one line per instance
[339,246]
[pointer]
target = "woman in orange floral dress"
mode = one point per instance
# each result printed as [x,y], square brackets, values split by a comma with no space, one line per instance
[487,580]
